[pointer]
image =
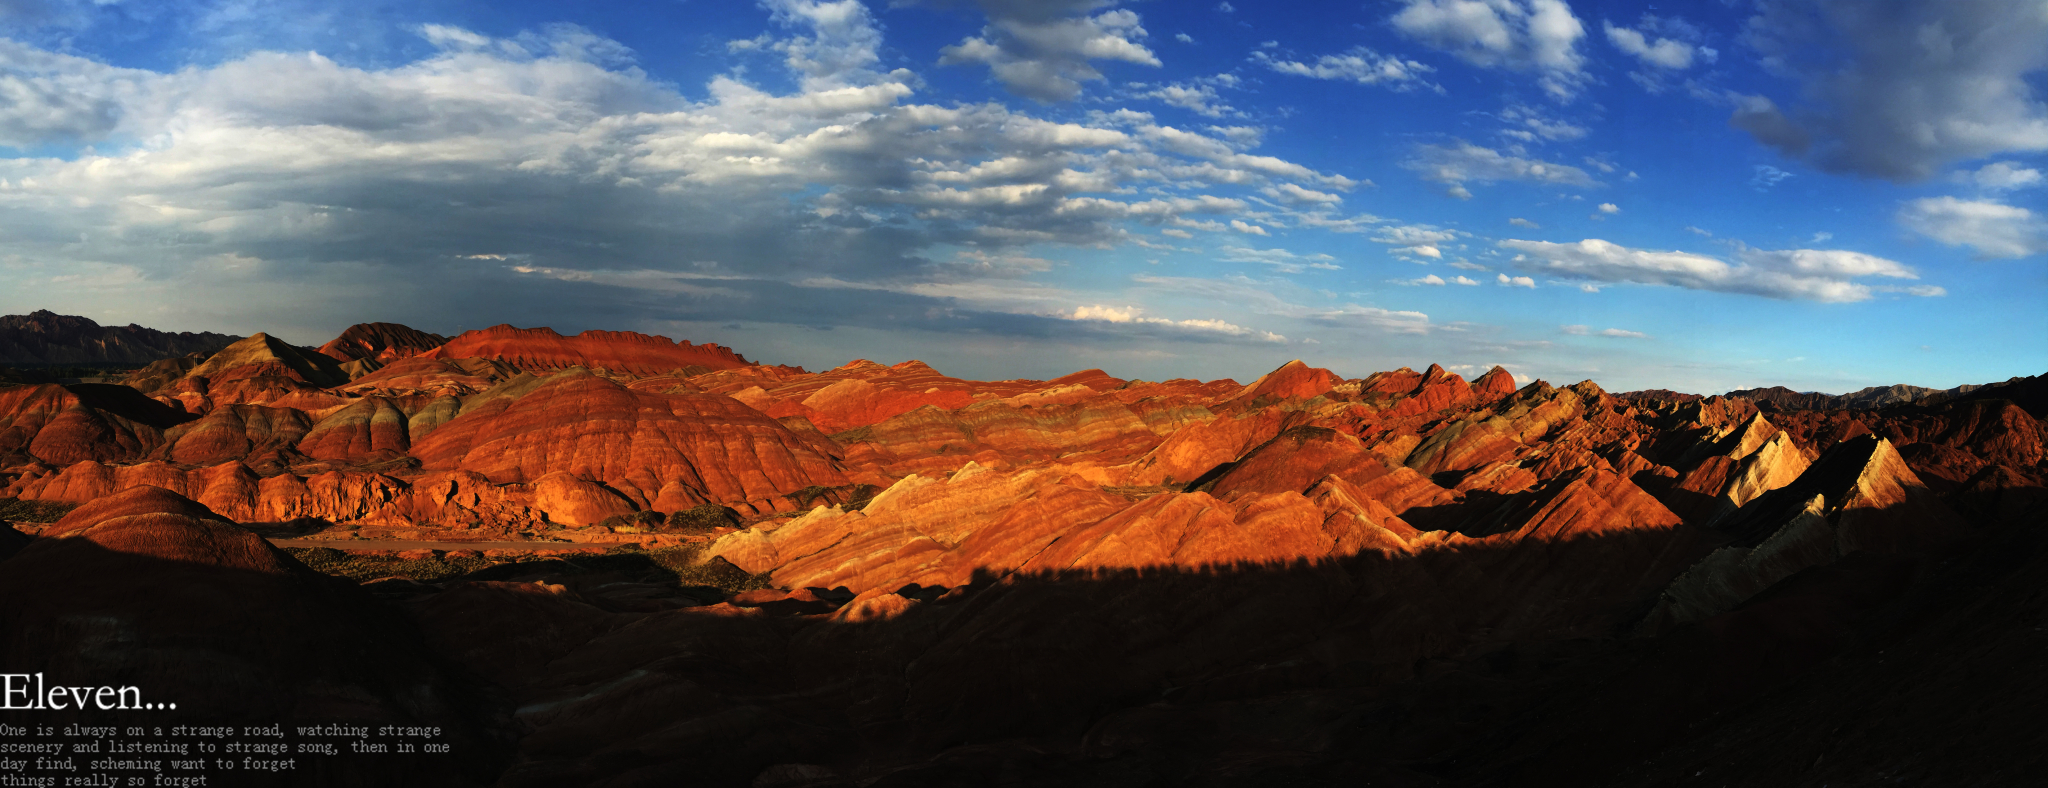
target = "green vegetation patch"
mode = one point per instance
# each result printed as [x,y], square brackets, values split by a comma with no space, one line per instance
[361,568]
[16,510]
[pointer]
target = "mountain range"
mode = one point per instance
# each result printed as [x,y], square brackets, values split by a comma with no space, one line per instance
[612,558]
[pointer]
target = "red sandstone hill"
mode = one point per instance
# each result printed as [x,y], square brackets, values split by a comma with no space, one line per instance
[381,342]
[1398,578]
[624,352]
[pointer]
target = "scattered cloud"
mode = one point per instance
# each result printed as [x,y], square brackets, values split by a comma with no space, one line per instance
[1359,65]
[1994,229]
[1536,36]
[1464,162]
[1198,95]
[1515,281]
[1044,51]
[1609,208]
[1131,315]
[1184,38]
[1899,90]
[1432,280]
[1803,274]
[1664,53]
[1529,124]
[1699,232]
[2002,176]
[1767,176]
[1465,280]
[1521,222]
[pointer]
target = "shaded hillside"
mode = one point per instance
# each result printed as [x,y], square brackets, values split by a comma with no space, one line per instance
[44,337]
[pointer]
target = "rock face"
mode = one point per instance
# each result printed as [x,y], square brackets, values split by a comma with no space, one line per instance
[624,352]
[45,337]
[382,342]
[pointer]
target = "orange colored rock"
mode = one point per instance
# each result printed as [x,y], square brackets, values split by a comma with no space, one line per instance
[1293,380]
[577,502]
[380,342]
[634,442]
[369,429]
[68,424]
[460,377]
[621,352]
[235,432]
[1493,385]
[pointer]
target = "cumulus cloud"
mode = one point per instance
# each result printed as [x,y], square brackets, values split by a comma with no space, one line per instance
[2002,176]
[1432,279]
[1898,90]
[1514,281]
[1465,280]
[1529,124]
[1358,65]
[1665,53]
[1994,229]
[1199,95]
[1045,50]
[1464,162]
[1826,275]
[1538,36]
[1521,222]
[544,174]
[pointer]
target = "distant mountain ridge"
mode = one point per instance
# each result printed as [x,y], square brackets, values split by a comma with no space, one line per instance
[44,337]
[1782,398]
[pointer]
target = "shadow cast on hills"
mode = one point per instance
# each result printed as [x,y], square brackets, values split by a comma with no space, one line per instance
[1494,664]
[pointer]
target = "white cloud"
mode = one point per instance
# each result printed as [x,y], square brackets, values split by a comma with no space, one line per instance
[1539,36]
[1132,315]
[1291,193]
[1432,279]
[1697,231]
[1532,124]
[1248,229]
[1662,53]
[1456,165]
[1898,90]
[1994,229]
[1621,334]
[1396,321]
[1804,274]
[1226,8]
[553,150]
[1609,208]
[1359,65]
[1419,251]
[1577,331]
[1518,281]
[1201,99]
[2003,176]
[1184,38]
[1044,51]
[1463,280]
[1767,176]
[1521,222]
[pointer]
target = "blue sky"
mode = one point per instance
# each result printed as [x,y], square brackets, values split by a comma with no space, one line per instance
[1825,195]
